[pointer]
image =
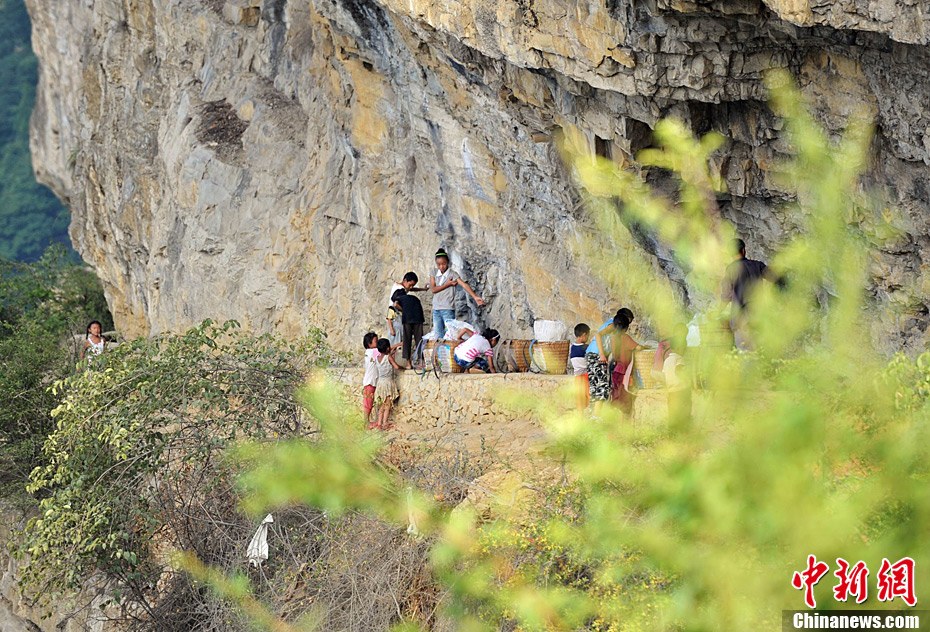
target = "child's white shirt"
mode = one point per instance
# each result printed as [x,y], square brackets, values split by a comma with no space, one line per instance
[394,288]
[475,347]
[371,368]
[579,366]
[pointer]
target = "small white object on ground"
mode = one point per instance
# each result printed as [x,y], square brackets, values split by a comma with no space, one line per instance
[411,521]
[257,551]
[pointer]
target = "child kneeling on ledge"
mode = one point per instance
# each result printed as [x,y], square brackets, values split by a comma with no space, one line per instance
[475,355]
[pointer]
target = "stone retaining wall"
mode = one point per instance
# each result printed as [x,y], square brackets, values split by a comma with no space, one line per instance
[466,407]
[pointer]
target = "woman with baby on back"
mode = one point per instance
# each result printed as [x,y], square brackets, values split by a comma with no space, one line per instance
[622,346]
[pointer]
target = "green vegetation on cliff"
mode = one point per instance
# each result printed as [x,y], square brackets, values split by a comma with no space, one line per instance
[43,306]
[31,217]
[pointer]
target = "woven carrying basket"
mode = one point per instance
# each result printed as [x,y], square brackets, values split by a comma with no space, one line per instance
[513,356]
[643,374]
[551,357]
[428,353]
[442,353]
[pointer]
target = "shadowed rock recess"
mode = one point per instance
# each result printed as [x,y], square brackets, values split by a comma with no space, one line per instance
[280,162]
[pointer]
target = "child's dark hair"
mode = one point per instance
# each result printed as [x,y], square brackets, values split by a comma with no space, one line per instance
[94,322]
[367,338]
[442,253]
[411,276]
[490,334]
[581,329]
[397,294]
[384,345]
[626,311]
[622,320]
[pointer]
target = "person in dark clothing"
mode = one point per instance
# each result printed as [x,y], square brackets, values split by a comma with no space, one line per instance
[741,278]
[742,275]
[411,310]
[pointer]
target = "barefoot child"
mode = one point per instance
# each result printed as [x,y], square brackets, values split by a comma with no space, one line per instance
[395,328]
[370,381]
[411,310]
[386,392]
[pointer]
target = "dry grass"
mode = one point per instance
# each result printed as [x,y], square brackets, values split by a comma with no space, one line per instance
[351,573]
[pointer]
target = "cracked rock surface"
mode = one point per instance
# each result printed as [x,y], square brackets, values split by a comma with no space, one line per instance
[281,162]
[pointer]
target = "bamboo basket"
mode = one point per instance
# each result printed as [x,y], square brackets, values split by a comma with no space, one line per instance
[513,356]
[643,373]
[442,352]
[551,357]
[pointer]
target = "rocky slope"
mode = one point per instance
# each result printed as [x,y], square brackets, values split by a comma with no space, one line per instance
[280,162]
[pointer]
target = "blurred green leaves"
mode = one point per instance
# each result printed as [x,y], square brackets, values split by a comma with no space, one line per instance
[806,445]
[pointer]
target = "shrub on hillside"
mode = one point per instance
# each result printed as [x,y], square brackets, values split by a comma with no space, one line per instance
[134,465]
[42,306]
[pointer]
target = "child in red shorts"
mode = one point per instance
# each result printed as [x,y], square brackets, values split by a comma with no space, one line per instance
[370,381]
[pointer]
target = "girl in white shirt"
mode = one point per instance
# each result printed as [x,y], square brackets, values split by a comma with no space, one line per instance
[476,353]
[94,343]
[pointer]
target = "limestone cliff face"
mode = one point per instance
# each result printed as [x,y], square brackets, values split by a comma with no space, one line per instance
[281,161]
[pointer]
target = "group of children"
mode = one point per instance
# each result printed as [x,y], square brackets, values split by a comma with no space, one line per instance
[379,384]
[406,307]
[602,361]
[603,365]
[474,354]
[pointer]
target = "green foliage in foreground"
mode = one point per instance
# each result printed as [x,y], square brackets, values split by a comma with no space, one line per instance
[42,306]
[31,217]
[697,526]
[810,444]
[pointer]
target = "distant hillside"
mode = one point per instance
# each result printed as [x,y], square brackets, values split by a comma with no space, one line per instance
[31,217]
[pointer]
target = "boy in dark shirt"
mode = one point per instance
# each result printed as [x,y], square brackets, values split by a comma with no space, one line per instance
[411,310]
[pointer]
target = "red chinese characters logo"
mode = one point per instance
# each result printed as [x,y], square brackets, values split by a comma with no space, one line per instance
[897,580]
[853,582]
[808,578]
[893,580]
